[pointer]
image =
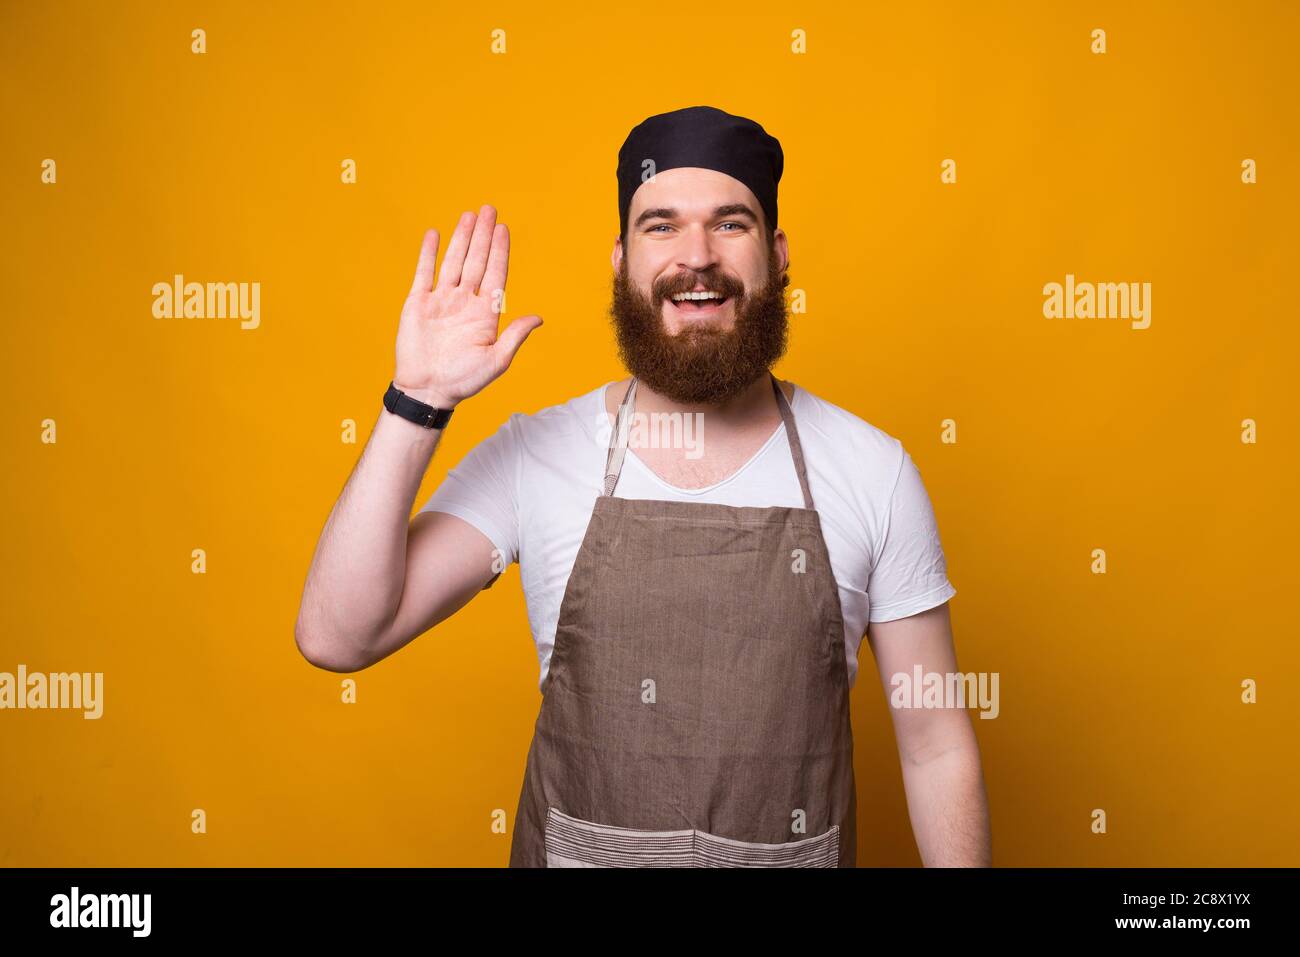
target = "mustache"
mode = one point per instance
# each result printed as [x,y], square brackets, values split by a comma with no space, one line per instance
[684,282]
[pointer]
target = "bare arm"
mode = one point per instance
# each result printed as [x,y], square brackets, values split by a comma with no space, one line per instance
[936,746]
[378,578]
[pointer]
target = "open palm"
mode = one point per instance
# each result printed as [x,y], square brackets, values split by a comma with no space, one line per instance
[448,346]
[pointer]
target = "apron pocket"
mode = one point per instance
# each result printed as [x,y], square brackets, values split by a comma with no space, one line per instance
[573,842]
[820,851]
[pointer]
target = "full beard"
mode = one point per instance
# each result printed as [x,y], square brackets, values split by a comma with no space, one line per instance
[705,364]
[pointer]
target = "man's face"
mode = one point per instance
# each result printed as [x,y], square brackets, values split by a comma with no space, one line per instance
[690,230]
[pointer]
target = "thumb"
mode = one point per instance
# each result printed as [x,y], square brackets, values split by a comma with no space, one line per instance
[513,336]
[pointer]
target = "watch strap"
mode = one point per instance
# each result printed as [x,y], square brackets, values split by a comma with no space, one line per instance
[421,413]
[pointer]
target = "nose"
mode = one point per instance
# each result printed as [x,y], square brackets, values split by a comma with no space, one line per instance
[696,249]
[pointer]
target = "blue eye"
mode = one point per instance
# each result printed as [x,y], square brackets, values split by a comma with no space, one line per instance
[658,226]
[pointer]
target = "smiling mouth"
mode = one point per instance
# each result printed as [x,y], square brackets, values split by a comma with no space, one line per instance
[699,306]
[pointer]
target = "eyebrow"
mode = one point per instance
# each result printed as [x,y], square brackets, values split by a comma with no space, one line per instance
[665,212]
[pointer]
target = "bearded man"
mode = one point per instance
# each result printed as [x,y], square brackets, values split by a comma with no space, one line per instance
[698,613]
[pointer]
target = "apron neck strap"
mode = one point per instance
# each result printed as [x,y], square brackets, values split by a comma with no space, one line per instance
[796,447]
[618,441]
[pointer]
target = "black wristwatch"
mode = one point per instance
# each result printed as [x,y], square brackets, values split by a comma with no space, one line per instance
[421,413]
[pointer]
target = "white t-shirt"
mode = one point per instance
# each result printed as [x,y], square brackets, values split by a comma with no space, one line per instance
[530,488]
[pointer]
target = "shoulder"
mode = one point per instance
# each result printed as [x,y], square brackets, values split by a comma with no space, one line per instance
[847,441]
[576,420]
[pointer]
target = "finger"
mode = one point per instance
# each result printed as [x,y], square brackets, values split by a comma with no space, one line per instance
[494,280]
[512,337]
[479,245]
[454,259]
[428,259]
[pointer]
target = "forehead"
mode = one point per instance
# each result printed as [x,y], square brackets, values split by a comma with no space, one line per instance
[691,190]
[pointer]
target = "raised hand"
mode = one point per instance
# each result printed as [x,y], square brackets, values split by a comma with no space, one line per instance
[448,347]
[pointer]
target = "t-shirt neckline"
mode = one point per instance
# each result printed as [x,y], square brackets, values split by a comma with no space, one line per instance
[655,477]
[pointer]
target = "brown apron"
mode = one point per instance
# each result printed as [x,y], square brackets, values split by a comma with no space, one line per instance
[696,708]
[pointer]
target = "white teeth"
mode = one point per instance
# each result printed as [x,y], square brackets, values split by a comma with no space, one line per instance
[679,297]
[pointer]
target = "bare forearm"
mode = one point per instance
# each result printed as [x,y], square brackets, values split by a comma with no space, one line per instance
[448,349]
[355,582]
[949,808]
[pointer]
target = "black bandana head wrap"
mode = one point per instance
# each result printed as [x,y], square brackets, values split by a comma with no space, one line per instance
[706,137]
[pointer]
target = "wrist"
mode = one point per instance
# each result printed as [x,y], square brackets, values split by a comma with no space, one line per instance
[416,409]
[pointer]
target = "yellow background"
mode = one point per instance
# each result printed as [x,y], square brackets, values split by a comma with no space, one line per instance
[1119,691]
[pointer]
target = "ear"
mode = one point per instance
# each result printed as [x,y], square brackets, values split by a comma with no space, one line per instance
[781,249]
[616,257]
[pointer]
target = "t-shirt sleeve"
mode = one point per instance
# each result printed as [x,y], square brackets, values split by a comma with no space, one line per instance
[910,574]
[483,489]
